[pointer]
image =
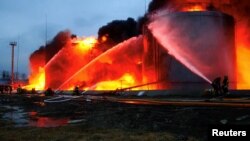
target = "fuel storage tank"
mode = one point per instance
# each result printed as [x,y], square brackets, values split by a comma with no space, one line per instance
[204,39]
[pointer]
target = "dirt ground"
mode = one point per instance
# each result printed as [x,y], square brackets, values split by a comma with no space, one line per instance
[111,121]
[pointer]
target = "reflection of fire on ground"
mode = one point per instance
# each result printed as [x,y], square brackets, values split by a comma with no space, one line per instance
[77,62]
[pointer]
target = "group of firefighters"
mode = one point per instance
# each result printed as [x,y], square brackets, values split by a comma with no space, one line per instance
[5,89]
[219,88]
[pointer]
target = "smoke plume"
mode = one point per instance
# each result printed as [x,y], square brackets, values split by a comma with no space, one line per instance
[116,32]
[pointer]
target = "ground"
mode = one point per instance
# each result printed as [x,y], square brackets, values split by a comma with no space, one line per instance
[113,121]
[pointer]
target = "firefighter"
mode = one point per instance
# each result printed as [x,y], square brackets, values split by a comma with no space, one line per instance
[49,92]
[19,89]
[216,84]
[76,91]
[10,89]
[225,84]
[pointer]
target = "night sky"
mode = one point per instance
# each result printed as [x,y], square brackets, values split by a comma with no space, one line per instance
[24,21]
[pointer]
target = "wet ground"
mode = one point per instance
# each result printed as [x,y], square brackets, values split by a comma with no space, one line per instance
[24,111]
[182,122]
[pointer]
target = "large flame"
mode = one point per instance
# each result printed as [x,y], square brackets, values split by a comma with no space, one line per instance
[119,67]
[75,54]
[243,65]
[78,64]
[86,44]
[127,80]
[106,74]
[37,81]
[243,57]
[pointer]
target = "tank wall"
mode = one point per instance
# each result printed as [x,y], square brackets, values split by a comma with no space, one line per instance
[208,35]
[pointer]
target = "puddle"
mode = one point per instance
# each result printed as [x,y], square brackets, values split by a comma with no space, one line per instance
[16,115]
[22,118]
[43,121]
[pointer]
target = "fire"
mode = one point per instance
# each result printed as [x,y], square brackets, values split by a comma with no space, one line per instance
[37,81]
[127,80]
[243,66]
[104,38]
[194,8]
[73,56]
[86,44]
[116,68]
[242,52]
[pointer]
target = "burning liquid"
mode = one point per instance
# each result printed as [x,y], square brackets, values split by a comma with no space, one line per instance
[117,68]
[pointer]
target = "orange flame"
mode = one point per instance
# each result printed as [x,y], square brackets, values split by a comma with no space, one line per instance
[127,80]
[37,81]
[80,49]
[243,66]
[104,38]
[243,56]
[194,8]
[86,44]
[117,68]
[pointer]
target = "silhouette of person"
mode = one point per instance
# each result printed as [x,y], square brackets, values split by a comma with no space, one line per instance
[225,84]
[216,85]
[49,92]
[19,89]
[10,89]
[76,91]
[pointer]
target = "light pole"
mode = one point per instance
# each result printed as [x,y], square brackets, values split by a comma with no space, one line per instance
[121,83]
[12,44]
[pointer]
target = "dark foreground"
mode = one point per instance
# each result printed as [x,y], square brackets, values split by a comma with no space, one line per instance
[111,121]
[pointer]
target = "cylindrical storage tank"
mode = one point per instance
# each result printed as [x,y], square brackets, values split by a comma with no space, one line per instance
[203,42]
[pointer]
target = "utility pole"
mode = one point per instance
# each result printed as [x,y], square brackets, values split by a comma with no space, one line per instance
[12,44]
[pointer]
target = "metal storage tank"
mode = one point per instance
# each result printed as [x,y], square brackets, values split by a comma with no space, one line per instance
[210,35]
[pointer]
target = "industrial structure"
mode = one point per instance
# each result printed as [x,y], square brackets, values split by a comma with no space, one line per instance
[209,35]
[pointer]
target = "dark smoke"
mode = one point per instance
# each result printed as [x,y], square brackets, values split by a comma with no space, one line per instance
[239,9]
[155,5]
[116,32]
[37,59]
[41,56]
[57,43]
